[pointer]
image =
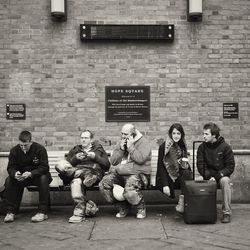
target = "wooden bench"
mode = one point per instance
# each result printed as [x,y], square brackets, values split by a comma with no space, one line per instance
[57,183]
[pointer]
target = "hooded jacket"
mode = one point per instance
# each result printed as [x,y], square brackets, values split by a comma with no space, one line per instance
[215,159]
[100,161]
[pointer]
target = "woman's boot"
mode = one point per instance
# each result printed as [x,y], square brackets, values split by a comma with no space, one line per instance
[180,206]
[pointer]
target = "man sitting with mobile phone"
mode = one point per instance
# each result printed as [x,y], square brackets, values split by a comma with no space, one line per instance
[131,160]
[83,167]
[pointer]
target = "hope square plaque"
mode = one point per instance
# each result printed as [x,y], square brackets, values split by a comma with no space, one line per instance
[127,103]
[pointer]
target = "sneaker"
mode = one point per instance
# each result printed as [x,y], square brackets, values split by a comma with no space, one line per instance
[89,180]
[39,217]
[141,214]
[10,217]
[76,219]
[226,218]
[122,213]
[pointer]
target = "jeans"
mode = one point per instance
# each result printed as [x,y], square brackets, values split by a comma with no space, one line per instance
[78,190]
[66,169]
[133,185]
[225,185]
[78,193]
[14,192]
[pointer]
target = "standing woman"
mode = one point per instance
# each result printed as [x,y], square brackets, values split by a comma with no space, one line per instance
[172,166]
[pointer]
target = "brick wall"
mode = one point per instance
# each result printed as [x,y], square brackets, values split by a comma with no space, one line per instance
[62,80]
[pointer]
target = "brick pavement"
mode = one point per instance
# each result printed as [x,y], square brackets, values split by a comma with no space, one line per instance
[163,228]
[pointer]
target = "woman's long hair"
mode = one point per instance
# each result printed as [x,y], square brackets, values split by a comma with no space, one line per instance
[181,142]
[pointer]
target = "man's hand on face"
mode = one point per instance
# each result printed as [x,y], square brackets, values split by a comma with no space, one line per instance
[130,141]
[123,144]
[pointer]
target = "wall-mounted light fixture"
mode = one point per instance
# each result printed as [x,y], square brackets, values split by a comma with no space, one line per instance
[59,10]
[194,10]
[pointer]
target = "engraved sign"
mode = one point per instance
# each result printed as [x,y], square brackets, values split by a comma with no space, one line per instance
[231,110]
[127,103]
[15,111]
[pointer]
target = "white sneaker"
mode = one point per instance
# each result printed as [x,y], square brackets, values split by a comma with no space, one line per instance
[39,217]
[76,219]
[141,213]
[10,217]
[123,212]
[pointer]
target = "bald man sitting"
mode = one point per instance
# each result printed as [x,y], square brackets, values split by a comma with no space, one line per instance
[131,168]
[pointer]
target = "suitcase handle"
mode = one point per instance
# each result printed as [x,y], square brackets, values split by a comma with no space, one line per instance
[200,181]
[194,142]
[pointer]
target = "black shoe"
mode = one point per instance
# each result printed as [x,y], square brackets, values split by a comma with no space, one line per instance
[226,218]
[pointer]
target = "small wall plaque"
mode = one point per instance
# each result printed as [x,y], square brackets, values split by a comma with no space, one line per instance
[15,111]
[231,110]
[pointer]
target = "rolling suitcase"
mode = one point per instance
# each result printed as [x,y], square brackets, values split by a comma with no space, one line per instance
[200,202]
[200,199]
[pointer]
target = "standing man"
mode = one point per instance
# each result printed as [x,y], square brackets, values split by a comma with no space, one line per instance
[215,161]
[131,160]
[84,167]
[28,165]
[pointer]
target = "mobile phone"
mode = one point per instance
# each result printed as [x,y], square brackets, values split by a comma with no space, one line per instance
[133,134]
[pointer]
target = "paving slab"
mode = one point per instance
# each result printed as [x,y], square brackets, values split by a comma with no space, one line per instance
[162,229]
[150,228]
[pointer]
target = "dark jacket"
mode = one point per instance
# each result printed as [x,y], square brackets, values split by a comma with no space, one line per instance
[215,159]
[101,160]
[34,161]
[101,156]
